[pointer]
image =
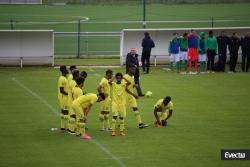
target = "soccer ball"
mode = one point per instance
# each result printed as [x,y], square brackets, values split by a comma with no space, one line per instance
[148,94]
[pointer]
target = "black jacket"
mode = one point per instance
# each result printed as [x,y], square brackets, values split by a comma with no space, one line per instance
[234,44]
[246,45]
[223,42]
[132,60]
[147,44]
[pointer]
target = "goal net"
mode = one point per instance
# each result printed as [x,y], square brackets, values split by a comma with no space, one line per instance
[26,47]
[132,38]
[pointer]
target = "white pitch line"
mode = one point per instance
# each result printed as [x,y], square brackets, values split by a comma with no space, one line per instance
[36,96]
[93,71]
[104,149]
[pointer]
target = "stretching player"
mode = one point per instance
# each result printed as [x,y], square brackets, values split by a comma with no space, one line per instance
[62,87]
[81,107]
[77,92]
[72,84]
[131,96]
[104,87]
[118,102]
[163,110]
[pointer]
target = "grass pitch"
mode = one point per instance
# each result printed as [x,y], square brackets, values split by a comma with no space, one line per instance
[211,112]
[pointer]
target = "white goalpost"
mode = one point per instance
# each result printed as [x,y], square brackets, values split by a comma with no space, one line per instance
[26,2]
[27,47]
[132,38]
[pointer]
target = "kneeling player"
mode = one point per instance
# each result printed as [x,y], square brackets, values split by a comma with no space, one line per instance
[104,87]
[118,102]
[163,110]
[131,96]
[81,107]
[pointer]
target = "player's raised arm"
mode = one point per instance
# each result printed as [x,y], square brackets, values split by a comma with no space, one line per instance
[129,92]
[127,81]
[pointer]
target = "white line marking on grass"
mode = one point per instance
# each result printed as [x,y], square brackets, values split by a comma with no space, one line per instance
[104,149]
[93,71]
[36,96]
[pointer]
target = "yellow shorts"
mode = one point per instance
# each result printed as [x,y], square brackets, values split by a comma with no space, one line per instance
[131,101]
[78,110]
[63,101]
[119,110]
[105,105]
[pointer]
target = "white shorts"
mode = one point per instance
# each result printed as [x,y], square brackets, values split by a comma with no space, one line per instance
[183,55]
[174,57]
[202,57]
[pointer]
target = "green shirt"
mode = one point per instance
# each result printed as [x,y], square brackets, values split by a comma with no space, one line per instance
[211,43]
[183,44]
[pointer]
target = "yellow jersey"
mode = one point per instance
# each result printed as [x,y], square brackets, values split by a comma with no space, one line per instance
[118,92]
[62,82]
[69,77]
[164,108]
[77,92]
[72,84]
[105,86]
[132,81]
[85,100]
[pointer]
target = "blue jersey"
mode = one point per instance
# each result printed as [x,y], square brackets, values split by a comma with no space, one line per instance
[192,41]
[174,46]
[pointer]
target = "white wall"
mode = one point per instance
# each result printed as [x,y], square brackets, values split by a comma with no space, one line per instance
[132,38]
[35,47]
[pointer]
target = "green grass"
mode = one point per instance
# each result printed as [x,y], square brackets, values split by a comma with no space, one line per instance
[100,13]
[211,112]
[87,61]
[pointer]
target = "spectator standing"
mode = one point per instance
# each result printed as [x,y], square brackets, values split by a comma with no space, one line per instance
[147,45]
[212,48]
[234,45]
[132,60]
[223,42]
[245,52]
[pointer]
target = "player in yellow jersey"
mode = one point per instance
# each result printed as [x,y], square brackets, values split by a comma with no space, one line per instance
[77,92]
[81,107]
[163,110]
[104,87]
[70,76]
[131,96]
[118,102]
[72,84]
[62,89]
